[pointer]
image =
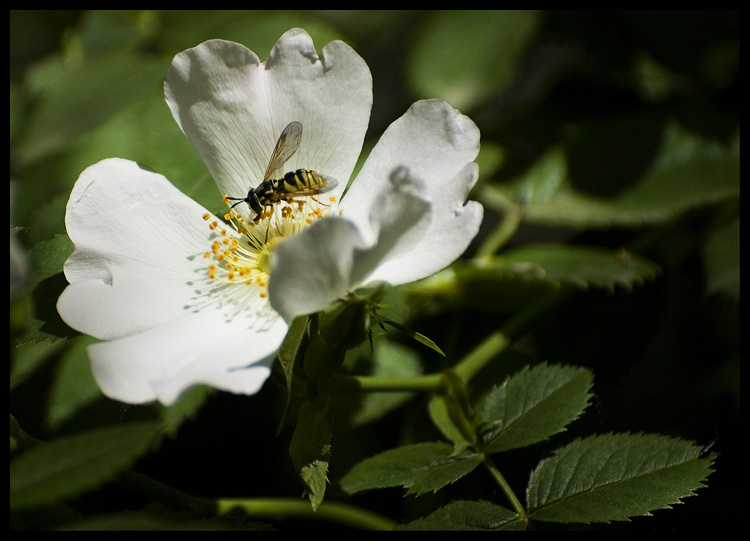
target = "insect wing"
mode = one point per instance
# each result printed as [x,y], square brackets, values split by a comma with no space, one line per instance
[286,146]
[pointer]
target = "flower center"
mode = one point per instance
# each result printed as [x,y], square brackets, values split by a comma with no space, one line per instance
[241,251]
[264,256]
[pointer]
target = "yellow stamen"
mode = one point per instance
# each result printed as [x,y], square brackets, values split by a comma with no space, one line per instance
[242,255]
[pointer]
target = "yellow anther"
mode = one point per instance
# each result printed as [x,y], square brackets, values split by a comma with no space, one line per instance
[243,256]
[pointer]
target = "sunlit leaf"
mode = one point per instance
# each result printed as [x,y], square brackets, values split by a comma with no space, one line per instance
[47,259]
[438,409]
[73,386]
[614,477]
[256,29]
[465,56]
[533,405]
[114,78]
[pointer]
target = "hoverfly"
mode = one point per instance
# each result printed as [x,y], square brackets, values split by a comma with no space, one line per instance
[302,182]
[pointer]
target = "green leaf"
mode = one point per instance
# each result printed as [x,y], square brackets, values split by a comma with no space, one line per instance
[453,414]
[47,258]
[721,256]
[440,415]
[184,409]
[688,172]
[73,386]
[465,56]
[579,266]
[288,354]
[533,405]
[615,477]
[70,466]
[419,467]
[115,77]
[506,283]
[468,516]
[310,447]
[422,339]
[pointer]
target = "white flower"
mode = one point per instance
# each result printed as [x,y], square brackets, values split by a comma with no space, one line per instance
[179,296]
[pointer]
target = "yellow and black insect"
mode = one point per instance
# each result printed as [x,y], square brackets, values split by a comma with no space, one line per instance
[302,182]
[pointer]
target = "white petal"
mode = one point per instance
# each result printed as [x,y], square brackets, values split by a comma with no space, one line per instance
[233,108]
[138,250]
[438,145]
[432,140]
[200,347]
[138,277]
[331,258]
[314,268]
[453,226]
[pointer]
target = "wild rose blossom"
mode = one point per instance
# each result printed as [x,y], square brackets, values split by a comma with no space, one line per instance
[180,296]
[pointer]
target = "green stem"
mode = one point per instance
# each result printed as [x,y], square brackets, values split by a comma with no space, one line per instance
[258,508]
[279,509]
[428,383]
[505,229]
[490,348]
[498,341]
[166,494]
[505,487]
[468,367]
